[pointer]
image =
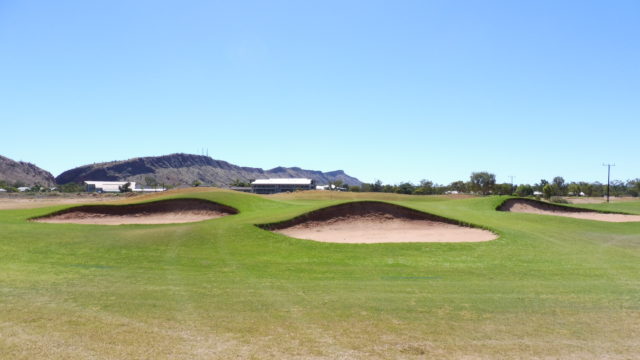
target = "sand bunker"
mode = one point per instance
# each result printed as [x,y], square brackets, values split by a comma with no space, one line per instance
[538,207]
[157,212]
[368,222]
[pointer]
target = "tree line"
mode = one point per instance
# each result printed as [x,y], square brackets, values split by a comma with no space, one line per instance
[484,183]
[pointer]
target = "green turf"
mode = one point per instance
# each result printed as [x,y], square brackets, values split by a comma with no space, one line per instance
[549,287]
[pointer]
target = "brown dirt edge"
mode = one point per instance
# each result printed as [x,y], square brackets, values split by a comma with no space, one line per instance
[159,207]
[364,208]
[545,206]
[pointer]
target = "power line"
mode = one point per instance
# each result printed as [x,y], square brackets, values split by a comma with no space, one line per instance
[608,177]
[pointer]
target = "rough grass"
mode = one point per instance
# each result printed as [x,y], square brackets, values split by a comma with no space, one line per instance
[549,287]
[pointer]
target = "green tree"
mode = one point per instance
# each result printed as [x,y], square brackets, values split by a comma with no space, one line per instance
[196,183]
[36,188]
[336,184]
[633,187]
[524,190]
[558,185]
[540,186]
[377,186]
[483,182]
[598,189]
[389,188]
[573,189]
[240,183]
[405,188]
[547,191]
[458,186]
[125,188]
[618,188]
[71,188]
[426,187]
[503,189]
[585,187]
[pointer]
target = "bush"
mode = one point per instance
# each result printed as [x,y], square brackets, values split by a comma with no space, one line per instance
[125,188]
[558,200]
[71,188]
[524,190]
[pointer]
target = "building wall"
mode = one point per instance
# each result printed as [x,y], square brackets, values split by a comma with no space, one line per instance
[278,188]
[107,186]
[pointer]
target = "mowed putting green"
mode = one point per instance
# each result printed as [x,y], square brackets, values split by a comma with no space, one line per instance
[548,287]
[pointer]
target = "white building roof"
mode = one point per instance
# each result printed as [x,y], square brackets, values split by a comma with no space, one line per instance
[119,183]
[285,181]
[110,186]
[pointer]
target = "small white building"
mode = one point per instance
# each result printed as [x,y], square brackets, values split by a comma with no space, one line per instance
[2,190]
[114,186]
[24,188]
[107,186]
[273,186]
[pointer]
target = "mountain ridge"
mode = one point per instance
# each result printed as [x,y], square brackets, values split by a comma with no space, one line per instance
[184,169]
[23,173]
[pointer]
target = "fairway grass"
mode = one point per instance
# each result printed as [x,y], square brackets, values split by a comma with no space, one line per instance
[548,287]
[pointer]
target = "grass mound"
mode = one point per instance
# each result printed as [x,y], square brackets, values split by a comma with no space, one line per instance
[543,208]
[155,212]
[376,222]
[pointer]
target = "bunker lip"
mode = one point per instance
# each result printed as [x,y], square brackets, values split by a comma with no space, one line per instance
[166,211]
[377,222]
[543,208]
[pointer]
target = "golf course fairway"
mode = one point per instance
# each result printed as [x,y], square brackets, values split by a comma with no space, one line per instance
[547,287]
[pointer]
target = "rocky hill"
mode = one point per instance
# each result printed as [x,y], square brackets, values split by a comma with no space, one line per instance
[178,169]
[23,173]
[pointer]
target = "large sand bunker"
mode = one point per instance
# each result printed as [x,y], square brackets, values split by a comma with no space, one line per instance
[368,222]
[538,207]
[157,212]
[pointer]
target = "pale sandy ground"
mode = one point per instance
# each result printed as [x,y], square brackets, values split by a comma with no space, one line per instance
[384,229]
[30,203]
[157,218]
[598,200]
[526,208]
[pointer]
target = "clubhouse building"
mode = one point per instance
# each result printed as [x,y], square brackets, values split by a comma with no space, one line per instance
[274,186]
[114,186]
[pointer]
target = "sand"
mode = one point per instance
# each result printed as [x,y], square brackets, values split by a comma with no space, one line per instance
[535,207]
[598,200]
[382,228]
[80,217]
[158,212]
[13,203]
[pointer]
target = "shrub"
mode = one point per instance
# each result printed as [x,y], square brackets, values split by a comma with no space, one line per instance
[558,200]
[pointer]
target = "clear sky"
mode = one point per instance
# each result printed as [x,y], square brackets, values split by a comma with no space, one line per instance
[389,90]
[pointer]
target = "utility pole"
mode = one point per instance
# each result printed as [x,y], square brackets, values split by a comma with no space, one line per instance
[608,177]
[512,189]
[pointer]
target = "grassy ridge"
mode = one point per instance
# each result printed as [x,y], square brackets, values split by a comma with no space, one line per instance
[548,287]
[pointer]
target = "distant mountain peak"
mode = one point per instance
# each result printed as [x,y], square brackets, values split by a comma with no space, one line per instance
[180,168]
[20,172]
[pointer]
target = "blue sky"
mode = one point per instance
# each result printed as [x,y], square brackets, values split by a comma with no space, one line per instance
[389,90]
